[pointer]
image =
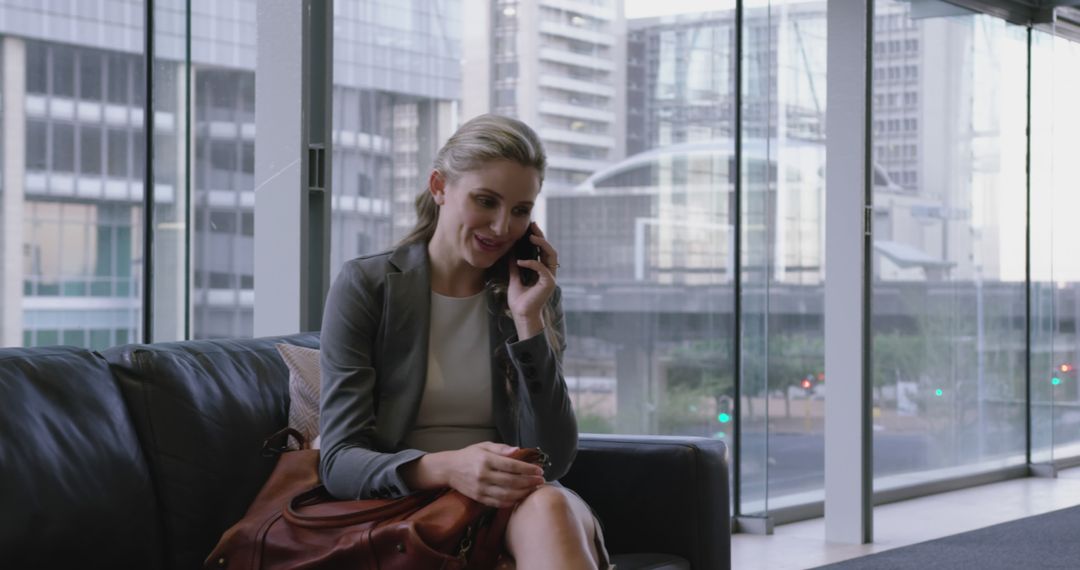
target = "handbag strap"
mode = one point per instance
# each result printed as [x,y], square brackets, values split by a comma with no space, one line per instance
[278,443]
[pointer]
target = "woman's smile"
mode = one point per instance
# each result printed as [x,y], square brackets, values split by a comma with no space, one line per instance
[488,244]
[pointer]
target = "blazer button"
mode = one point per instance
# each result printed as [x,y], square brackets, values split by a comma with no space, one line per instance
[526,357]
[529,372]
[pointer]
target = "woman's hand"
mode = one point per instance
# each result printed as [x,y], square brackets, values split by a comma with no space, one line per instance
[482,472]
[526,303]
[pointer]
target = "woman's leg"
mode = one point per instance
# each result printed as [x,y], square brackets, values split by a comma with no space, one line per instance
[552,528]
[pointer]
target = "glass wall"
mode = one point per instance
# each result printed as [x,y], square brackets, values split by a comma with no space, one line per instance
[635,106]
[170,197]
[783,177]
[1055,267]
[74,161]
[396,98]
[222,162]
[71,213]
[635,101]
[949,119]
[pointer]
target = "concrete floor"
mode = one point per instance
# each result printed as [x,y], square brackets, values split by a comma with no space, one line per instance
[802,545]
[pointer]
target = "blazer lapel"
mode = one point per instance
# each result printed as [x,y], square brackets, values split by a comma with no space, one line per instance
[500,329]
[406,317]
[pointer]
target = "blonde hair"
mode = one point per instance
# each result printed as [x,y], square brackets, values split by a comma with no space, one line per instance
[481,140]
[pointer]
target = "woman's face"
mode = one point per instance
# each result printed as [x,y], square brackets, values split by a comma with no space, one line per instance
[484,211]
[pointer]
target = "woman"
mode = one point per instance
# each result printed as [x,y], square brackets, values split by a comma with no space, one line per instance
[437,360]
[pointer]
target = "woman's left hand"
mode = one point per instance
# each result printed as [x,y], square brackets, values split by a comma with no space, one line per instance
[526,303]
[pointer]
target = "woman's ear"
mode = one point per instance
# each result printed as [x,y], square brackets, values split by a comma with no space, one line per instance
[437,187]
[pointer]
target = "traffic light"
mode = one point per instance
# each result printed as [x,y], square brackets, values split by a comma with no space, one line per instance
[723,411]
[807,384]
[1060,372]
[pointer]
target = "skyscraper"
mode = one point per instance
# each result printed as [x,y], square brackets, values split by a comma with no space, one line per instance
[558,65]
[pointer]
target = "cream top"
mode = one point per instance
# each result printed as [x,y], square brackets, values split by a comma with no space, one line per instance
[456,407]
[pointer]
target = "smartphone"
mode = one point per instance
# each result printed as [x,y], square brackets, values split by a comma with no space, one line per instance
[525,249]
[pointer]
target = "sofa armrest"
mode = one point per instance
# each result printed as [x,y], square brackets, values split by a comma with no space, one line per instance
[664,494]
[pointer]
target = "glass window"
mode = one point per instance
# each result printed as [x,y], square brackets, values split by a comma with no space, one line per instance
[79,239]
[47,338]
[1055,270]
[118,79]
[74,338]
[63,147]
[91,75]
[223,165]
[117,152]
[36,145]
[37,60]
[63,71]
[223,222]
[90,150]
[783,166]
[948,265]
[647,264]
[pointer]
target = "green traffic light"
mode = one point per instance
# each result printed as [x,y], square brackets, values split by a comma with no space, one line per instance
[938,392]
[1055,380]
[723,418]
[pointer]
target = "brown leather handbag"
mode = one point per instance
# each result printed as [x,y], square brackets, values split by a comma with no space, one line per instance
[295,523]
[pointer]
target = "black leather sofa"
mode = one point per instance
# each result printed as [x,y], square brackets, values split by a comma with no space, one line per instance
[141,456]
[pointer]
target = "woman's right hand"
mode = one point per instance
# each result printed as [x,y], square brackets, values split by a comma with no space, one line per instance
[483,472]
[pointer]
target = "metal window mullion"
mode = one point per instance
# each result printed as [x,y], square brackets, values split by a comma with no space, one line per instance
[736,448]
[148,173]
[189,206]
[1027,265]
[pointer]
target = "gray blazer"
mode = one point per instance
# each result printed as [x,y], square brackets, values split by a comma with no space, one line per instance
[374,365]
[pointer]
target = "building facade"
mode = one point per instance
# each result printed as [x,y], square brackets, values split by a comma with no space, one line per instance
[72,198]
[558,65]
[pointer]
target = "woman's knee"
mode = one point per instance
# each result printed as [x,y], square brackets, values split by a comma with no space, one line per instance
[548,502]
[562,518]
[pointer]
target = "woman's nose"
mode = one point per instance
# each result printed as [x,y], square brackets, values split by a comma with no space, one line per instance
[500,224]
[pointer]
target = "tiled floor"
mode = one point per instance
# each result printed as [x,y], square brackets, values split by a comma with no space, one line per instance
[802,545]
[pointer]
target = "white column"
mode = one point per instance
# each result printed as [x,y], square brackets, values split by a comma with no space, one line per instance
[848,465]
[279,196]
[293,79]
[11,195]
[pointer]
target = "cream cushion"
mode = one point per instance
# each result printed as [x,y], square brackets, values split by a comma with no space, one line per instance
[304,389]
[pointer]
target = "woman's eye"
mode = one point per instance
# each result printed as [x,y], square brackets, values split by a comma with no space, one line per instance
[521,211]
[485,202]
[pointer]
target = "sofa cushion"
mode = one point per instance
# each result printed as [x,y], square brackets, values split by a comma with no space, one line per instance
[305,386]
[201,411]
[75,491]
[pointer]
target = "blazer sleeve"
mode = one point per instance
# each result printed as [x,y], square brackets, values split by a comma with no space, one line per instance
[545,413]
[350,465]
